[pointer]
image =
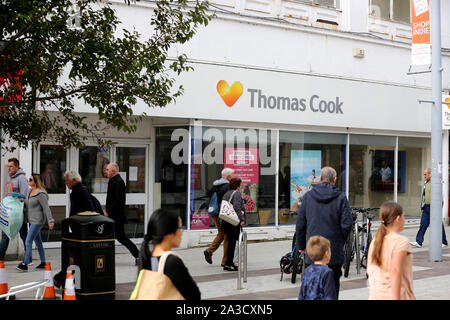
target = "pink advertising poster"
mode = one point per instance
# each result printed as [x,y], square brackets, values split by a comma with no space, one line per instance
[244,162]
[200,220]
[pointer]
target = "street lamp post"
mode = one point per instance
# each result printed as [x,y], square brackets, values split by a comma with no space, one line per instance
[435,253]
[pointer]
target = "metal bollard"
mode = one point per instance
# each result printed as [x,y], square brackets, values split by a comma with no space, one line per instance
[242,258]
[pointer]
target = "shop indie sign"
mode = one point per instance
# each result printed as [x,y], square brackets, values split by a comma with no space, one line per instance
[244,162]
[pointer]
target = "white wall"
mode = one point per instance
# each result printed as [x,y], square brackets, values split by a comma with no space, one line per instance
[254,42]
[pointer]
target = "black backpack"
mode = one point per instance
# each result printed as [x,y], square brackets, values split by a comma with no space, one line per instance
[97,206]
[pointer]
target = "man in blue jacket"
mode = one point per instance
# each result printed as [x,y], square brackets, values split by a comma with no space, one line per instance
[325,212]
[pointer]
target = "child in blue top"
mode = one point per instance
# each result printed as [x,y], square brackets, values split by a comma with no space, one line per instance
[318,279]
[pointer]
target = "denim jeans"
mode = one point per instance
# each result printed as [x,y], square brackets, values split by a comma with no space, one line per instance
[4,243]
[34,234]
[424,224]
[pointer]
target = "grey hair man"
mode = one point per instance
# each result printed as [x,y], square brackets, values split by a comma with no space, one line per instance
[328,174]
[80,201]
[71,178]
[115,207]
[220,187]
[325,212]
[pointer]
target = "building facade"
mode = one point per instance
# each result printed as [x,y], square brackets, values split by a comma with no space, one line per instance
[279,89]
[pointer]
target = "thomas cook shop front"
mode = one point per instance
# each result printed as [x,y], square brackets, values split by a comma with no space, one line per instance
[276,130]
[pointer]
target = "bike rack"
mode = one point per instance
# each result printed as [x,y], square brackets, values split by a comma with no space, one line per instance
[242,259]
[358,264]
[26,287]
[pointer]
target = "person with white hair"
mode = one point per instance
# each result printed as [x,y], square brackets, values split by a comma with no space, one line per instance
[325,212]
[220,187]
[115,207]
[80,199]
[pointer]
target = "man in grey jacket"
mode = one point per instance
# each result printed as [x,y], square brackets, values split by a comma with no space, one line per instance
[17,182]
[220,186]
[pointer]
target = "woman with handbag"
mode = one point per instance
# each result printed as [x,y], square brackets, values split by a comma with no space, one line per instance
[162,273]
[232,232]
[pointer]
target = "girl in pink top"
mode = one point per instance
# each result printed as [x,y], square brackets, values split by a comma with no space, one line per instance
[389,265]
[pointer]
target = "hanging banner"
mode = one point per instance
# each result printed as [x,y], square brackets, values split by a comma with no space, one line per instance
[420,48]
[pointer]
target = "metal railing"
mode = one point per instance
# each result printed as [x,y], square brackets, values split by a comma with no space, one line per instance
[26,287]
[242,259]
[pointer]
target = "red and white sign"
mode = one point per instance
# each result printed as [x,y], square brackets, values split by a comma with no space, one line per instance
[420,48]
[244,162]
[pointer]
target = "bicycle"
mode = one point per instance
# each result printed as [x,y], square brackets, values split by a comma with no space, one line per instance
[297,259]
[292,262]
[350,244]
[366,236]
[359,238]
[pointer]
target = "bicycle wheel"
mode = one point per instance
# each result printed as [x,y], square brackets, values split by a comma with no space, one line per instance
[295,262]
[348,253]
[365,250]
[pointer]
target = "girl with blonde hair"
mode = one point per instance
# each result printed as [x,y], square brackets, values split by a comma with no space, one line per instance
[389,265]
[38,213]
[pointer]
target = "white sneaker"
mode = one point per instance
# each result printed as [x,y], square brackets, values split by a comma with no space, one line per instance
[444,245]
[415,244]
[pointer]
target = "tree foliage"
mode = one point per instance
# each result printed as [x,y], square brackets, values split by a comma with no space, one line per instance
[55,53]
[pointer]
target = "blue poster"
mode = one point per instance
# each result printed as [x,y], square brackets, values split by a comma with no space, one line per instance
[305,172]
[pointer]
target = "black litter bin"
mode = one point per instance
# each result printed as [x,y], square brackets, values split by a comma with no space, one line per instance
[88,243]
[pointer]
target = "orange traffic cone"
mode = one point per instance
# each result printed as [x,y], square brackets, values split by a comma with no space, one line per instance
[69,290]
[49,293]
[3,282]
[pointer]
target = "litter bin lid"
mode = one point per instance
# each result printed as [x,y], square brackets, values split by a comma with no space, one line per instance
[88,217]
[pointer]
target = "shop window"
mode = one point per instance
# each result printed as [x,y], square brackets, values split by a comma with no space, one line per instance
[250,153]
[52,166]
[135,217]
[170,189]
[396,10]
[371,176]
[414,156]
[131,162]
[301,157]
[92,164]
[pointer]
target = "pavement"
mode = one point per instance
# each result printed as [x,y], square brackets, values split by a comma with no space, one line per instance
[431,279]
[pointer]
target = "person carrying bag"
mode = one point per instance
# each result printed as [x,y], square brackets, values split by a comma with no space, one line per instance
[232,213]
[162,273]
[155,285]
[227,212]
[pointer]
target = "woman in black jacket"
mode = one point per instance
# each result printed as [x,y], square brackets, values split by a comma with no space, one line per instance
[163,234]
[231,231]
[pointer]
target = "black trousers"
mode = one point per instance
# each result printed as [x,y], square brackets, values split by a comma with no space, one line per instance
[120,235]
[337,271]
[232,233]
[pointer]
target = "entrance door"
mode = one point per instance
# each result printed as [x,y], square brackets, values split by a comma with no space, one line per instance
[52,161]
[132,162]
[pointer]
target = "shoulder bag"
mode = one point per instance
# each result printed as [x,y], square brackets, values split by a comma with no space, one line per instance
[151,285]
[227,212]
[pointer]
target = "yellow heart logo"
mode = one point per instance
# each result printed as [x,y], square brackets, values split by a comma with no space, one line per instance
[229,94]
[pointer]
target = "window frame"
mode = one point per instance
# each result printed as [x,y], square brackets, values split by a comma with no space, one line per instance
[391,13]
